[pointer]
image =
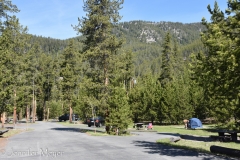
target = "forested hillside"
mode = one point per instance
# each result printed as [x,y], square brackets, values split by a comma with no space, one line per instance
[144,39]
[124,71]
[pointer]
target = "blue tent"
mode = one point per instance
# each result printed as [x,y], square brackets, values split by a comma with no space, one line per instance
[194,123]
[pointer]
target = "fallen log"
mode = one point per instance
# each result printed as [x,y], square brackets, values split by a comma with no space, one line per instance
[175,139]
[226,151]
[3,131]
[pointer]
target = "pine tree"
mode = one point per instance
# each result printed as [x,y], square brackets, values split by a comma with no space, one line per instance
[100,46]
[13,42]
[217,69]
[69,73]
[119,113]
[166,67]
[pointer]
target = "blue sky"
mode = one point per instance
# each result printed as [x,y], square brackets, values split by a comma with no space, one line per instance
[53,18]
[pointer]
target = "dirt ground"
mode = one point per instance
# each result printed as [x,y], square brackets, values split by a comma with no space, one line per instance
[3,143]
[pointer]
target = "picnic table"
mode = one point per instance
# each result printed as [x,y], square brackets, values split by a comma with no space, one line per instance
[227,133]
[138,125]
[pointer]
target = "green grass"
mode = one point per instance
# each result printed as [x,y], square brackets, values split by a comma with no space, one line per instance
[66,123]
[13,132]
[198,145]
[179,129]
[92,133]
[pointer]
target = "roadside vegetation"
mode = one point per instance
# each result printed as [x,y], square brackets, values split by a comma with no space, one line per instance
[198,145]
[202,141]
[179,129]
[99,76]
[12,132]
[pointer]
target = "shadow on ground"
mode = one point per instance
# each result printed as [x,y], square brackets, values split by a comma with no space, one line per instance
[75,130]
[196,138]
[155,148]
[170,134]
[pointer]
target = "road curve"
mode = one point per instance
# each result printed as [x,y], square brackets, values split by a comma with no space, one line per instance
[51,140]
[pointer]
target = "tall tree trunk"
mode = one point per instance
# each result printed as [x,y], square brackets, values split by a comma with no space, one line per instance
[70,115]
[3,119]
[34,110]
[15,109]
[20,114]
[44,111]
[47,114]
[27,114]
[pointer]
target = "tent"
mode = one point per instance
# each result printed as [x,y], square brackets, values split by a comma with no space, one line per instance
[194,123]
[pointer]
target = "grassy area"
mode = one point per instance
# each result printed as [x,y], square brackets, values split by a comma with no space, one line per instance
[67,123]
[13,132]
[179,129]
[92,133]
[198,145]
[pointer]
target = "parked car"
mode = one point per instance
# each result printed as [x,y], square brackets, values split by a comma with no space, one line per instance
[65,117]
[99,121]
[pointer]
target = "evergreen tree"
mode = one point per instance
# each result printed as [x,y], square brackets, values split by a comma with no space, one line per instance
[218,68]
[6,7]
[69,73]
[166,67]
[119,112]
[100,46]
[13,42]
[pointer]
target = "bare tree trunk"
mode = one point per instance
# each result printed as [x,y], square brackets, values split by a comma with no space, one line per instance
[35,107]
[3,119]
[14,116]
[47,114]
[34,110]
[20,114]
[70,115]
[15,109]
[44,111]
[27,114]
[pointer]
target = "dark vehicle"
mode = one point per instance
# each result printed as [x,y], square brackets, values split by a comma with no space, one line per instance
[99,121]
[65,117]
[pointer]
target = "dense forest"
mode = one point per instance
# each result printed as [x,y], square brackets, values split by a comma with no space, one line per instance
[142,38]
[134,71]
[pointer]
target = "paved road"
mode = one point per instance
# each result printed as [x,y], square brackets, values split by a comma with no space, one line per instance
[51,140]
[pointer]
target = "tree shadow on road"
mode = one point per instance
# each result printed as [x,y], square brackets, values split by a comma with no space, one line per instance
[169,134]
[155,148]
[79,130]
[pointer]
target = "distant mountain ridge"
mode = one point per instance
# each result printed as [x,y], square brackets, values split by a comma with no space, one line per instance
[142,31]
[151,32]
[144,39]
